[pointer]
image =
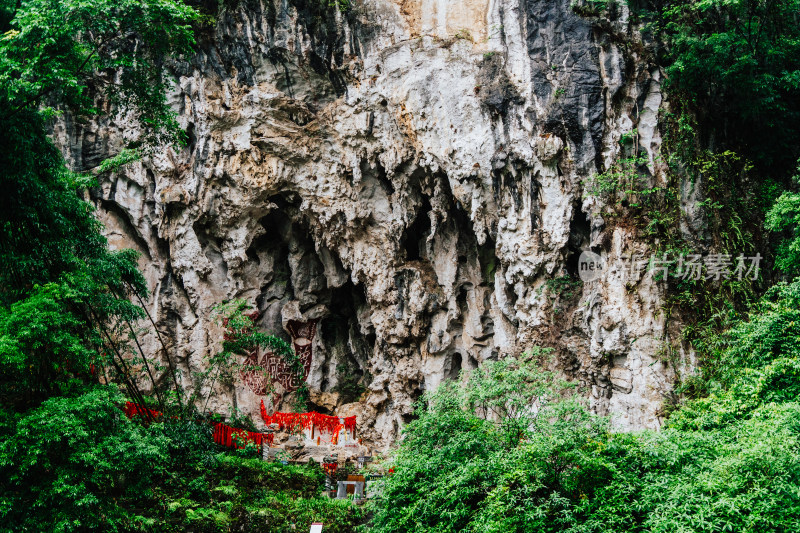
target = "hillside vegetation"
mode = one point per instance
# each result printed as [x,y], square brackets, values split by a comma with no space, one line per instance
[509,447]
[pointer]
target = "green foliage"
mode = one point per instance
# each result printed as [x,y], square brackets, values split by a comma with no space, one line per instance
[55,51]
[47,229]
[560,291]
[64,299]
[256,474]
[737,64]
[121,159]
[64,463]
[76,463]
[755,362]
[734,90]
[565,286]
[40,341]
[238,419]
[69,459]
[252,494]
[727,462]
[784,216]
[591,8]
[743,477]
[281,514]
[341,5]
[732,216]
[463,34]
[732,207]
[746,474]
[490,454]
[623,182]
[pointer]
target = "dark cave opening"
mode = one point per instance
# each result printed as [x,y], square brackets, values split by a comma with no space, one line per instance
[284,200]
[415,237]
[348,347]
[191,137]
[291,269]
[579,235]
[487,257]
[311,406]
[452,368]
[272,249]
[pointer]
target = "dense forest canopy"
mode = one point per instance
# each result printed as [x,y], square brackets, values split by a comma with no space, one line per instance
[476,458]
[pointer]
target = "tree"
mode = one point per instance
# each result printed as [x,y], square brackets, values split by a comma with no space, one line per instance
[64,302]
[784,216]
[506,431]
[727,462]
[736,63]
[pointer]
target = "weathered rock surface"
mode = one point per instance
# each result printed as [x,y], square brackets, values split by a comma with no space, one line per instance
[410,173]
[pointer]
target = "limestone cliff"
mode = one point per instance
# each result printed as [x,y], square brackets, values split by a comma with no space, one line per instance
[408,176]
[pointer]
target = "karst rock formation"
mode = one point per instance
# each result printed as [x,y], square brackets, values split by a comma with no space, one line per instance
[399,188]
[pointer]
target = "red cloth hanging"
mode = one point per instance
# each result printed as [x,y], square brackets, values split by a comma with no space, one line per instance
[131,409]
[238,438]
[350,424]
[335,436]
[325,423]
[223,434]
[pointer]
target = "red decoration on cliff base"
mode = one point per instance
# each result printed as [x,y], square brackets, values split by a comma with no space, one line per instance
[223,434]
[238,438]
[324,423]
[131,409]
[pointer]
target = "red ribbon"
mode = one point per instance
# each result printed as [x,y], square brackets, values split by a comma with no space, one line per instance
[131,409]
[238,438]
[350,424]
[223,434]
[325,423]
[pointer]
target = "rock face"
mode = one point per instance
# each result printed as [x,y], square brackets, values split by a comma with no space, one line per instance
[410,175]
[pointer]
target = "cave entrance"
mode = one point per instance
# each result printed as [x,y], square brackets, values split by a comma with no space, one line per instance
[415,237]
[452,368]
[579,235]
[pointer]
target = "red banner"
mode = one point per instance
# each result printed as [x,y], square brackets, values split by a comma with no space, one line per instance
[324,423]
[131,409]
[224,435]
[238,438]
